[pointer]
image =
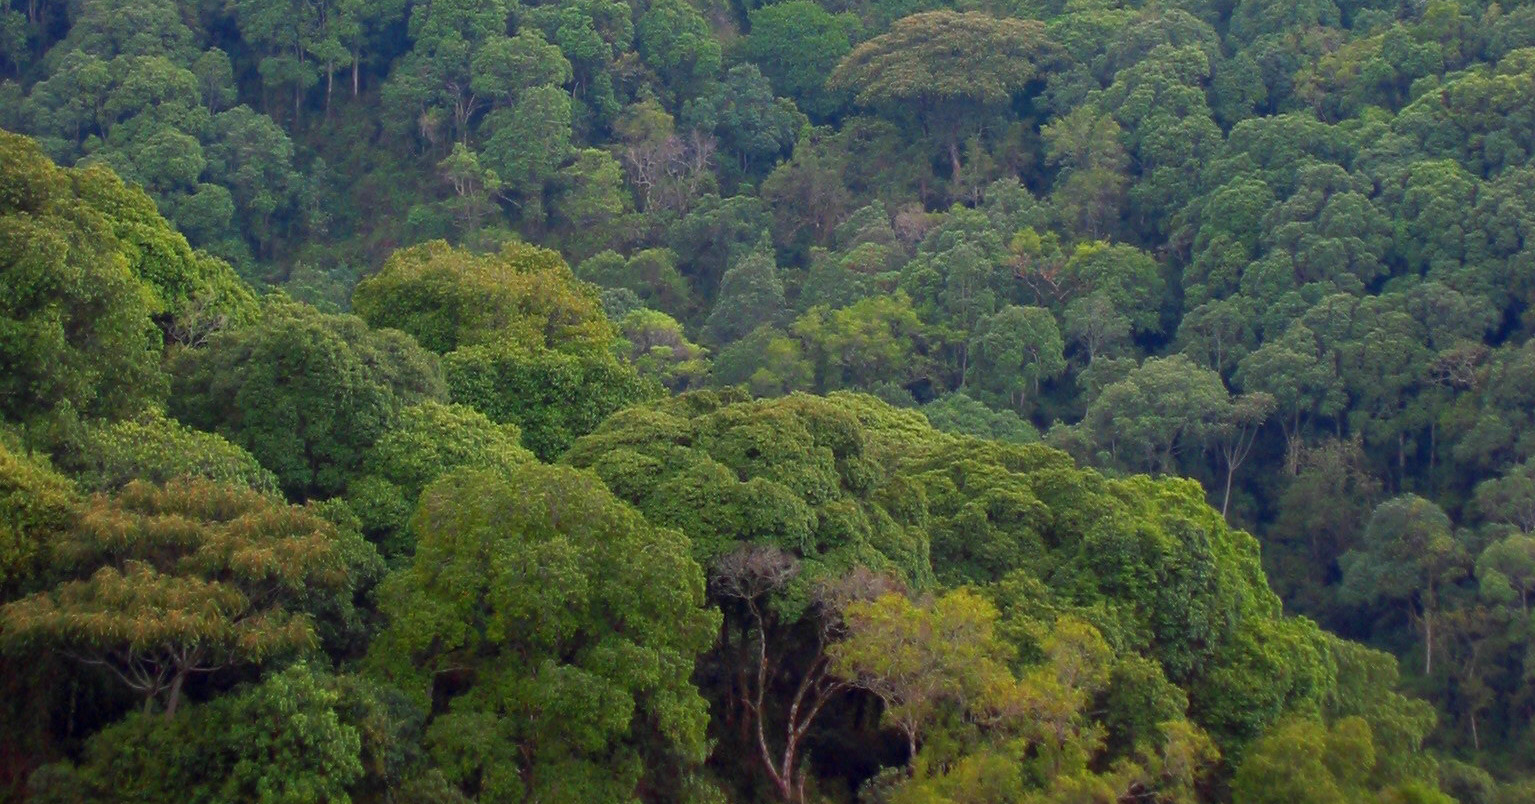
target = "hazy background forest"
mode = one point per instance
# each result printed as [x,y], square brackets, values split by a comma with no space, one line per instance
[351,351]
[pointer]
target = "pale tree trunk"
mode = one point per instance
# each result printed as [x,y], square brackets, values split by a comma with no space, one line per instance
[174,698]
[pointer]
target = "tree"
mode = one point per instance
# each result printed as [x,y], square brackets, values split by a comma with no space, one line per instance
[1237,431]
[106,456]
[287,739]
[529,142]
[436,81]
[652,274]
[753,126]
[75,328]
[1510,498]
[252,156]
[958,413]
[1090,186]
[1508,566]
[525,342]
[808,193]
[590,203]
[1015,349]
[1302,384]
[474,191]
[917,657]
[554,397]
[305,392]
[797,44]
[447,298]
[37,505]
[428,441]
[189,578]
[675,40]
[556,629]
[751,294]
[752,575]
[1409,554]
[875,340]
[946,68]
[1161,408]
[1305,760]
[659,348]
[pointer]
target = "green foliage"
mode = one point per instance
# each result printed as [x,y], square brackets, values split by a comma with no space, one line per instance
[1165,406]
[959,413]
[797,473]
[1014,350]
[428,441]
[1305,760]
[651,274]
[526,343]
[751,295]
[944,68]
[37,505]
[553,397]
[796,44]
[918,62]
[154,449]
[572,624]
[918,658]
[305,392]
[75,328]
[283,740]
[1015,214]
[1408,554]
[659,348]
[675,40]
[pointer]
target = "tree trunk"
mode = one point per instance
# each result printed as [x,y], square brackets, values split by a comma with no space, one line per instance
[175,697]
[1428,642]
[1226,498]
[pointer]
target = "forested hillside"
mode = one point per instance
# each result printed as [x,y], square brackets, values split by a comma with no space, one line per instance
[826,400]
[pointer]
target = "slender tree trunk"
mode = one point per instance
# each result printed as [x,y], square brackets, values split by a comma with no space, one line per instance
[1432,454]
[175,697]
[1231,469]
[1428,641]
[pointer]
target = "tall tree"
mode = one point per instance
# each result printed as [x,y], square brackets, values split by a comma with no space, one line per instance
[165,583]
[1409,554]
[945,68]
[556,630]
[306,393]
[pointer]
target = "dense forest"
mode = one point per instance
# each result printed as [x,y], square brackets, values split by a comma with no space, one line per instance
[880,401]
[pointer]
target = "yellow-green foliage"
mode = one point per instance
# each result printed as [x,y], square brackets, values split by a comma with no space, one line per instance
[106,456]
[447,298]
[162,582]
[36,506]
